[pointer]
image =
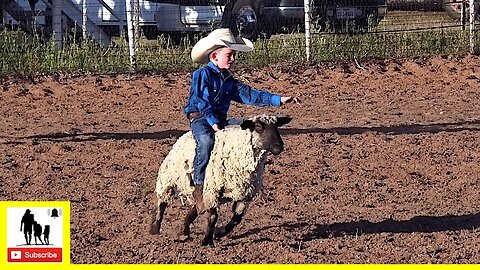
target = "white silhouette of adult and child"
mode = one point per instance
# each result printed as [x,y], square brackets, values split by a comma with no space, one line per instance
[29,225]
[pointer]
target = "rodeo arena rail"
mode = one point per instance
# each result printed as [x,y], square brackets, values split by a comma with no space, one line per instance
[113,36]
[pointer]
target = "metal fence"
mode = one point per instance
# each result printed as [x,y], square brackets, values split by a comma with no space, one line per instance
[289,30]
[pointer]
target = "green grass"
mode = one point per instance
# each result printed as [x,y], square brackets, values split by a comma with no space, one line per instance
[24,55]
[390,45]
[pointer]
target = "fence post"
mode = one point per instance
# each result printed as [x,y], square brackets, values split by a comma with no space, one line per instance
[136,22]
[308,39]
[57,22]
[472,26]
[130,32]
[84,20]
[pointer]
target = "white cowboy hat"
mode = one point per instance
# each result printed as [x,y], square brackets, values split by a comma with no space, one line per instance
[218,38]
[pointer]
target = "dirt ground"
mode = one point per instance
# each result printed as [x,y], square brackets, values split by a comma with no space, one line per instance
[381,163]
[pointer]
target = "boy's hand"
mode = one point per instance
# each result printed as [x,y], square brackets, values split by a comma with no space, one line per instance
[216,127]
[290,99]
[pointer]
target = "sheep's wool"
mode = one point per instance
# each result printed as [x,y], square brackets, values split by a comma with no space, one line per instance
[235,169]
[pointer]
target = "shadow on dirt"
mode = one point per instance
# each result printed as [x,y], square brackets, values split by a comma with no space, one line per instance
[420,224]
[393,130]
[82,137]
[473,125]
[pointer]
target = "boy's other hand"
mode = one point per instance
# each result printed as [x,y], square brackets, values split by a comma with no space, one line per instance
[216,127]
[290,99]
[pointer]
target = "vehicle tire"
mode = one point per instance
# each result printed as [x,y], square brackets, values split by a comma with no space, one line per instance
[111,30]
[150,32]
[454,8]
[244,20]
[174,38]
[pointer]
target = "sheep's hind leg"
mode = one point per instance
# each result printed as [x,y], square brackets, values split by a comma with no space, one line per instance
[238,210]
[184,234]
[157,222]
[212,220]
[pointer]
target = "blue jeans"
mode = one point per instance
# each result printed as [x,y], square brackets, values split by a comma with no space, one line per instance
[204,137]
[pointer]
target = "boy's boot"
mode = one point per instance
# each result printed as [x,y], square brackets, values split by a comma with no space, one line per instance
[198,196]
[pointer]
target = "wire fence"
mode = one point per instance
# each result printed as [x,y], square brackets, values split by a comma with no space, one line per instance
[144,35]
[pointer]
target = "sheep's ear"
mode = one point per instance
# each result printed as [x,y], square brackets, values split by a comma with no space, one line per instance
[283,120]
[248,124]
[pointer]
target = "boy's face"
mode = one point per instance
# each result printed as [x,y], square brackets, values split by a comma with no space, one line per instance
[223,58]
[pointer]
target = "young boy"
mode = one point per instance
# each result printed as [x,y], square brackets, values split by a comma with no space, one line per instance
[212,89]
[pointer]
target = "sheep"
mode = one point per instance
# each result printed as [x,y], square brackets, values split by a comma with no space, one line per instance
[234,173]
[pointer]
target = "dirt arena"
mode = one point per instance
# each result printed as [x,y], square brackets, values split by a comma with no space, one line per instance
[381,163]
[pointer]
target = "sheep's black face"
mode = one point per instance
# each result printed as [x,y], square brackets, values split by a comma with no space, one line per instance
[270,138]
[268,135]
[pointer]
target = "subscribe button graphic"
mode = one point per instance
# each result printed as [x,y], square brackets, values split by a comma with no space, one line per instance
[26,255]
[35,232]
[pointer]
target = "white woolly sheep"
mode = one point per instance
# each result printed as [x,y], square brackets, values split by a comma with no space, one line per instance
[234,172]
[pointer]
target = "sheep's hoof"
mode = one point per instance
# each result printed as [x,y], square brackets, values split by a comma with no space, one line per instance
[207,243]
[155,228]
[183,235]
[183,238]
[220,232]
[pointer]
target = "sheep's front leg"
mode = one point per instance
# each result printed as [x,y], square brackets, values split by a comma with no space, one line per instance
[212,221]
[184,234]
[157,221]
[238,210]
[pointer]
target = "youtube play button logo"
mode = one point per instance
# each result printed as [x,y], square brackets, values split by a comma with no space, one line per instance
[15,255]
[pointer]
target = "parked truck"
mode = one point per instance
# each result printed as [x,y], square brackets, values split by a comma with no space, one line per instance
[454,8]
[458,9]
[248,18]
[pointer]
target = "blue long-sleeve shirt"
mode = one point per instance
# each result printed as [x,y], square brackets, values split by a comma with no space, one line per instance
[213,89]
